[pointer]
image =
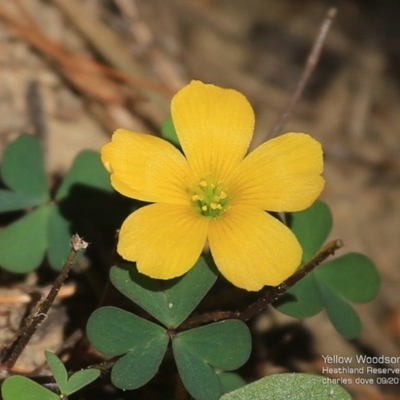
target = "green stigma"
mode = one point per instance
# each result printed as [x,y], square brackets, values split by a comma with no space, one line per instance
[209,199]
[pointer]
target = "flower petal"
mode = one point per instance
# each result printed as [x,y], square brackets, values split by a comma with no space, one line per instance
[165,240]
[146,167]
[283,174]
[214,126]
[253,249]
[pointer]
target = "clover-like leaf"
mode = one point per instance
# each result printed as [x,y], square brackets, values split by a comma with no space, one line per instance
[11,201]
[19,387]
[199,378]
[290,386]
[343,275]
[311,227]
[80,379]
[58,369]
[224,345]
[23,243]
[115,332]
[22,168]
[86,170]
[58,237]
[332,284]
[231,381]
[343,317]
[81,203]
[302,300]
[77,380]
[168,301]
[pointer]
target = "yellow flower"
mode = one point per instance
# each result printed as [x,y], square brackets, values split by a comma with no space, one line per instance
[213,192]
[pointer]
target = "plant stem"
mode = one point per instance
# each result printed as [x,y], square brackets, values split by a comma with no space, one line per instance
[35,319]
[273,294]
[309,67]
[267,298]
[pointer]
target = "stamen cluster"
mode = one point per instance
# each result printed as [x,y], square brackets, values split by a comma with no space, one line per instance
[209,198]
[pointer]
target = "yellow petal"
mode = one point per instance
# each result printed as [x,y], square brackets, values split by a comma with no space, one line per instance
[283,174]
[165,240]
[214,126]
[252,249]
[146,168]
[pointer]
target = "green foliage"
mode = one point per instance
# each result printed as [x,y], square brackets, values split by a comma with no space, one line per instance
[47,224]
[85,201]
[115,332]
[351,277]
[230,381]
[168,132]
[58,236]
[163,299]
[87,170]
[23,170]
[224,345]
[19,387]
[76,381]
[290,386]
[198,352]
[311,227]
[12,201]
[23,243]
[344,273]
[342,315]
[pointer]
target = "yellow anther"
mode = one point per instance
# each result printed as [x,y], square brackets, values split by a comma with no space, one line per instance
[210,198]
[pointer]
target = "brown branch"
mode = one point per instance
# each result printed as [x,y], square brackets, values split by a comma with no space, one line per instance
[32,323]
[267,298]
[309,67]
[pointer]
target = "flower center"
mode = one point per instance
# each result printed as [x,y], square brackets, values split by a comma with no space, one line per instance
[210,198]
